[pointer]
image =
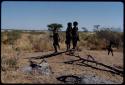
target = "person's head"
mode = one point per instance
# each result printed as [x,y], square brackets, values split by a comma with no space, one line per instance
[75,23]
[69,24]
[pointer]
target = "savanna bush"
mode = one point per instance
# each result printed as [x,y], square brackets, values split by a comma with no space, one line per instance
[110,35]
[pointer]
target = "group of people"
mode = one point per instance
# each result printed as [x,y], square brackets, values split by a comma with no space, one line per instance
[71,36]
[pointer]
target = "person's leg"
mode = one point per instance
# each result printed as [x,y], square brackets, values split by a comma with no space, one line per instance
[112,52]
[54,45]
[108,51]
[67,47]
[69,43]
[73,43]
[76,44]
[58,45]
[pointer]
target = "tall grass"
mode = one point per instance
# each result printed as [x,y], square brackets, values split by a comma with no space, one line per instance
[13,36]
[42,41]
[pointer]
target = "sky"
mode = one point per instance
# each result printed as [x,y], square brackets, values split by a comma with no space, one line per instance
[36,15]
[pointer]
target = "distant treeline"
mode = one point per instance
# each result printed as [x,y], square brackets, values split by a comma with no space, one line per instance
[21,30]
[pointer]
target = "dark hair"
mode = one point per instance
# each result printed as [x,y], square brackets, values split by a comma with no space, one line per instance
[69,23]
[75,23]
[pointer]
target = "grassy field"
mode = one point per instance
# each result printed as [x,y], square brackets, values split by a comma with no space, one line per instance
[16,46]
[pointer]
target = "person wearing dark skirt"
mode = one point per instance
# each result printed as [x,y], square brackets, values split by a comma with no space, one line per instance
[68,35]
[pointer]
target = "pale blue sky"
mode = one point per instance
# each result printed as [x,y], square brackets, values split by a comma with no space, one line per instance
[37,14]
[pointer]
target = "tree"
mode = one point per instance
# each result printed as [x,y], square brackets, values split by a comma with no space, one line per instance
[96,28]
[54,25]
[85,29]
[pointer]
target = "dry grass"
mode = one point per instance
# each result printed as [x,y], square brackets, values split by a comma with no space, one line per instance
[12,58]
[34,43]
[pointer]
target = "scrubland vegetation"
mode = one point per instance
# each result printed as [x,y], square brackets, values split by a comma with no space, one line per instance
[16,43]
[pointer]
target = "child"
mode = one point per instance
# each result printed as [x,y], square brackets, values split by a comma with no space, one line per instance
[110,48]
[75,35]
[56,39]
[68,35]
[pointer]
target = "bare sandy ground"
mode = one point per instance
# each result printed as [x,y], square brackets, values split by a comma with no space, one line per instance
[59,68]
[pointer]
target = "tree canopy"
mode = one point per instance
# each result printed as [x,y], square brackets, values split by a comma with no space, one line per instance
[54,25]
